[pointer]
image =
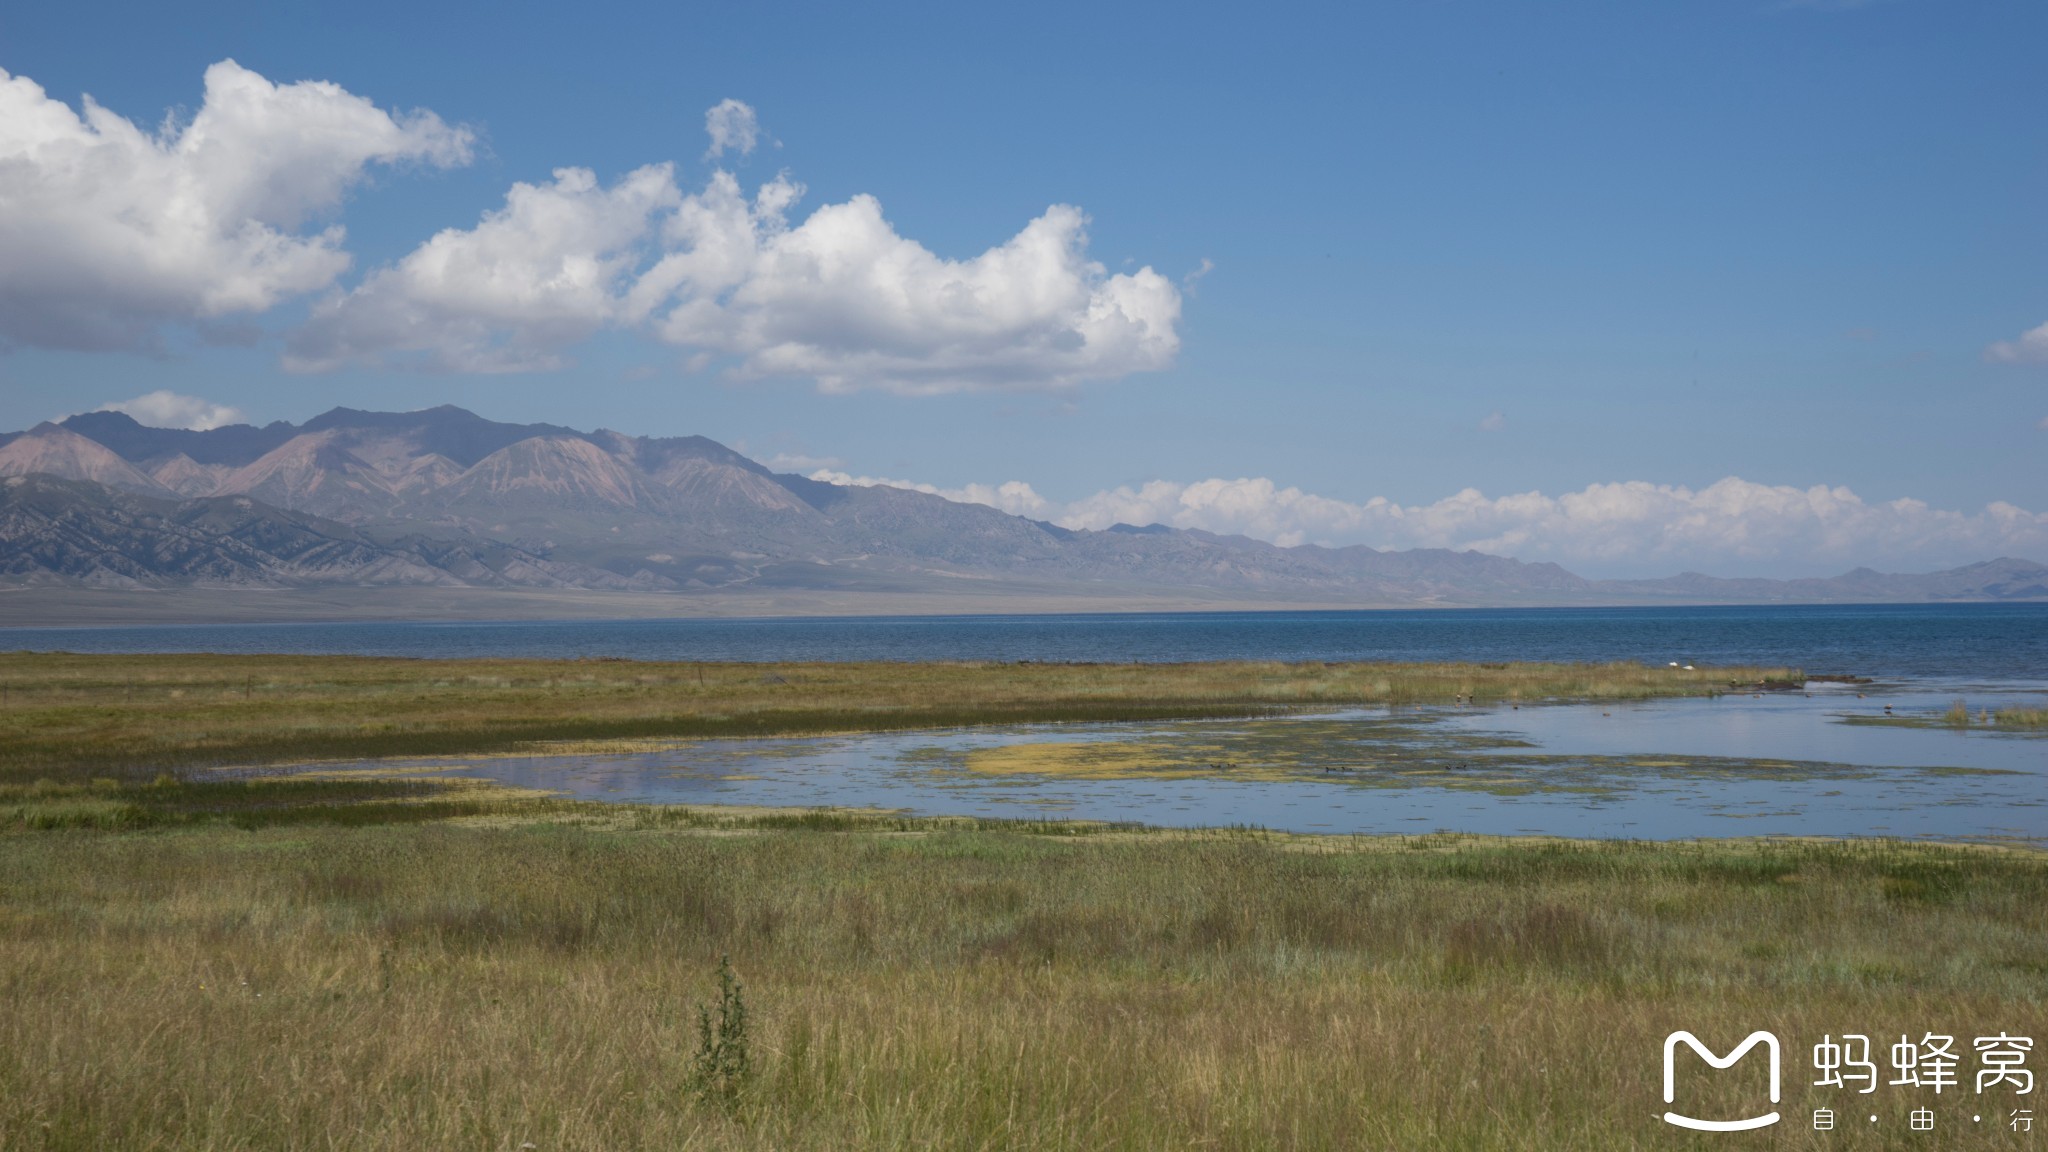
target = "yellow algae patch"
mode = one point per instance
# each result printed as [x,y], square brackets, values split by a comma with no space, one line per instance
[434,773]
[1121,760]
[624,746]
[1105,760]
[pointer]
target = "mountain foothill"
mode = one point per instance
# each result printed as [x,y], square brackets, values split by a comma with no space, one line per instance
[446,498]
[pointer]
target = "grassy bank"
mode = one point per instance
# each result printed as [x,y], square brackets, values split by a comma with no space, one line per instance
[69,717]
[528,977]
[1960,715]
[2022,717]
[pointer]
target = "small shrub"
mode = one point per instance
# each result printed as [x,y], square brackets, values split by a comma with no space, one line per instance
[722,1065]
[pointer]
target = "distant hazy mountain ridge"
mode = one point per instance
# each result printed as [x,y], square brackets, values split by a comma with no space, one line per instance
[444,497]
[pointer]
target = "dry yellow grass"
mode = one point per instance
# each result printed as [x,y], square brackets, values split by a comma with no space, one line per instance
[955,985]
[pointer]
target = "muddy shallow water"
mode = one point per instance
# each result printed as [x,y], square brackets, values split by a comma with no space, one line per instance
[1824,764]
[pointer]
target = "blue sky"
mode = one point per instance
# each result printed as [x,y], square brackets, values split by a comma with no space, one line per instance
[1508,248]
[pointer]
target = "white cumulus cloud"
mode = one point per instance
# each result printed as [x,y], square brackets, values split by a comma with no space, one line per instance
[844,300]
[732,126]
[548,269]
[798,462]
[164,408]
[1633,526]
[841,299]
[2030,348]
[109,231]
[1014,496]
[1730,527]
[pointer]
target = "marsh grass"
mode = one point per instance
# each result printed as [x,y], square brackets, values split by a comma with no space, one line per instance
[74,717]
[962,984]
[1958,716]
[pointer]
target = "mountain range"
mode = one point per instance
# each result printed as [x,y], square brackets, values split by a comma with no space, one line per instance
[443,498]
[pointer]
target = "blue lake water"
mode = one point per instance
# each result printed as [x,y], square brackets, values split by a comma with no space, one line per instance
[1777,765]
[1781,764]
[1981,641]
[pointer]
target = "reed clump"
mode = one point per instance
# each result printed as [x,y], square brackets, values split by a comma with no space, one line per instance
[961,984]
[74,717]
[1958,716]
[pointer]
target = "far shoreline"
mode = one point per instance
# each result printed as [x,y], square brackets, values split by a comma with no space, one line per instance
[48,607]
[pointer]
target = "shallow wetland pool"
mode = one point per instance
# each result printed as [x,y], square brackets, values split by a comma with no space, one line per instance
[1829,763]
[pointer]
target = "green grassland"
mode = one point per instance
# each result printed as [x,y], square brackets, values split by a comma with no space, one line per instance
[68,717]
[528,976]
[195,959]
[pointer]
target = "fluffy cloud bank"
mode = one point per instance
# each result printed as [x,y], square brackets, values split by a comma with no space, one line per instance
[1733,526]
[1014,496]
[2030,348]
[841,298]
[543,272]
[844,300]
[108,231]
[167,409]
